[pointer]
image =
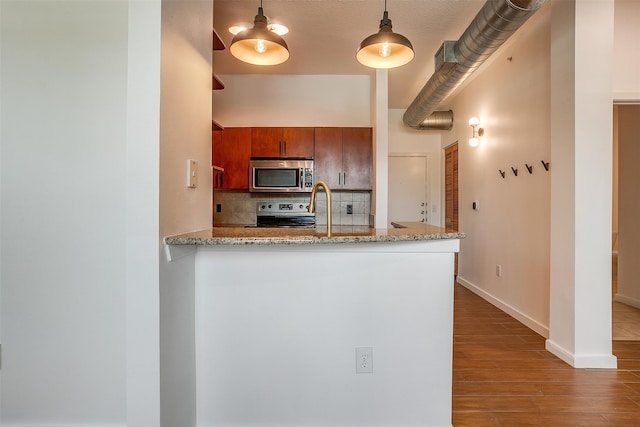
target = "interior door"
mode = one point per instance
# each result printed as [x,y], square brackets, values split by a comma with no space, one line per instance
[451,187]
[408,188]
[451,192]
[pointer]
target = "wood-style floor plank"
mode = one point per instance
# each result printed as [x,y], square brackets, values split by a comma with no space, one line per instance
[503,376]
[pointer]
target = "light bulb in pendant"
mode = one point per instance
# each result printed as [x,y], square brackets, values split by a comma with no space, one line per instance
[385,50]
[261,47]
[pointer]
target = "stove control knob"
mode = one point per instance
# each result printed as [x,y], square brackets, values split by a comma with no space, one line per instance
[262,207]
[270,205]
[300,206]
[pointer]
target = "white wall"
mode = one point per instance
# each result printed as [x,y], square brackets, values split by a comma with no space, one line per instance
[511,227]
[80,218]
[403,139]
[629,205]
[185,133]
[63,196]
[275,352]
[143,119]
[292,100]
[626,88]
[626,73]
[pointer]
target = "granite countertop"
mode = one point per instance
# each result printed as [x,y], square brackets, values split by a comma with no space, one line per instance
[405,231]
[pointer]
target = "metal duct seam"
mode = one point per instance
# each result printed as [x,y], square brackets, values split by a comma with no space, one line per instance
[492,26]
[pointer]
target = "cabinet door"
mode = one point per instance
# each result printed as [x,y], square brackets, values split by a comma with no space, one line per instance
[297,142]
[357,158]
[266,142]
[328,156]
[236,149]
[216,147]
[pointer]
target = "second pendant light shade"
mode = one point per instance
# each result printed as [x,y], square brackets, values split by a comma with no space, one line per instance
[385,49]
[259,45]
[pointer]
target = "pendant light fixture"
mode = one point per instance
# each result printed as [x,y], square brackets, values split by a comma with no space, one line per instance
[259,45]
[385,49]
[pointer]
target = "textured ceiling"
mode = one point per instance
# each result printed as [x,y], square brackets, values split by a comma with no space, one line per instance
[324,35]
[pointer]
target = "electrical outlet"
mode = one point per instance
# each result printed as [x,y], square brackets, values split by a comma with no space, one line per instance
[364,360]
[218,207]
[349,209]
[498,270]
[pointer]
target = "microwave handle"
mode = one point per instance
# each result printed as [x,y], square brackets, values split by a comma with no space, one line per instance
[301,179]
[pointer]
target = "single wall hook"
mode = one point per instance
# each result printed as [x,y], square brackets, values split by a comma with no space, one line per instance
[515,171]
[529,168]
[501,173]
[546,165]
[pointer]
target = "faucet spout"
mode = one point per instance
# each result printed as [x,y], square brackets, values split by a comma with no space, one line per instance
[312,202]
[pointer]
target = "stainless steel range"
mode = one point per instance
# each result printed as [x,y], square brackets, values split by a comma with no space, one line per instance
[284,214]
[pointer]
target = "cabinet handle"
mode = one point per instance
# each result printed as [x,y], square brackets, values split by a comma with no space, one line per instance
[284,144]
[339,178]
[344,178]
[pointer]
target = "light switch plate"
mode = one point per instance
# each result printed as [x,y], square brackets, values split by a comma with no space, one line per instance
[192,173]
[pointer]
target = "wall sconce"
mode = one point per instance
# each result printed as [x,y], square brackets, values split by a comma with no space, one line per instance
[477,132]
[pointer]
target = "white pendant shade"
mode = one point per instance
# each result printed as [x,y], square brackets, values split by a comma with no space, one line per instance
[259,45]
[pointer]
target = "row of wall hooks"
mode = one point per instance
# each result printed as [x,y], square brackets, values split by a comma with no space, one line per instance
[528,166]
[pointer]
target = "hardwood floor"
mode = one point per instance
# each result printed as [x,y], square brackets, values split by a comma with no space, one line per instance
[503,376]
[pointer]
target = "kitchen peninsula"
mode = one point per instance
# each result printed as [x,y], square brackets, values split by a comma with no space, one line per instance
[285,320]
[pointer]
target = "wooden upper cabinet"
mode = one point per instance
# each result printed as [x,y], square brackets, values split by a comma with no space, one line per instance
[328,156]
[235,153]
[265,142]
[282,142]
[357,158]
[343,158]
[216,148]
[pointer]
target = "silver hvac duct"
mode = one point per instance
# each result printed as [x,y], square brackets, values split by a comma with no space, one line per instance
[455,61]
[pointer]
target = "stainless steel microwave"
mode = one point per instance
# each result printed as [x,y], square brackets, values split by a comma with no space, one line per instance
[281,174]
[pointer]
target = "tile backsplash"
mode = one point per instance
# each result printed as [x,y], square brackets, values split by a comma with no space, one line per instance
[239,207]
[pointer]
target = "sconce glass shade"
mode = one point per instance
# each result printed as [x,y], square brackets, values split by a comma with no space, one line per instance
[385,49]
[259,45]
[474,141]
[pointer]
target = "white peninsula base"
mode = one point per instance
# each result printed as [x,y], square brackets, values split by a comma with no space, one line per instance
[277,327]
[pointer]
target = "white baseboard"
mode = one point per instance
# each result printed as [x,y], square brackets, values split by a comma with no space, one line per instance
[633,302]
[511,311]
[600,361]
